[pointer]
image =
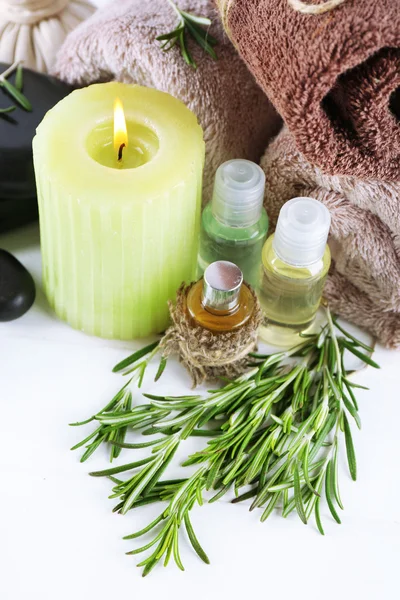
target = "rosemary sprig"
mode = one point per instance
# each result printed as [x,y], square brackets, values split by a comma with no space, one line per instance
[192,26]
[171,519]
[276,429]
[15,91]
[3,76]
[113,422]
[121,402]
[134,363]
[120,408]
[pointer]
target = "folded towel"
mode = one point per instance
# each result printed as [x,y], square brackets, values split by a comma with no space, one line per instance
[33,30]
[334,77]
[349,302]
[365,233]
[118,43]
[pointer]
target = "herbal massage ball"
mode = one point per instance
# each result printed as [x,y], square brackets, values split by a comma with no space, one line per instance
[119,173]
[32,31]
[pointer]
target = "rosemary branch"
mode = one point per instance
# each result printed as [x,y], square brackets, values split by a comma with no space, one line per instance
[276,429]
[192,26]
[15,91]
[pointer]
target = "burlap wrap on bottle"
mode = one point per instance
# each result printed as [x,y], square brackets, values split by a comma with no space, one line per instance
[205,354]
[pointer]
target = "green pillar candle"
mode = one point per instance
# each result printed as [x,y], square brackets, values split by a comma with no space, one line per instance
[118,236]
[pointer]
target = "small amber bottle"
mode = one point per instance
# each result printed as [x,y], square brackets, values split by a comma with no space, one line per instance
[221,302]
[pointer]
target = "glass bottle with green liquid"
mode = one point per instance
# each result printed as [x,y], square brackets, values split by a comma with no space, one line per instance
[295,263]
[234,224]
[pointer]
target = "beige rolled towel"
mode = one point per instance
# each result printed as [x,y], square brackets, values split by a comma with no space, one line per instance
[346,300]
[119,43]
[365,234]
[32,31]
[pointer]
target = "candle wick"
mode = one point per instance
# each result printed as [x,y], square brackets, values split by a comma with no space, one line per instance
[122,146]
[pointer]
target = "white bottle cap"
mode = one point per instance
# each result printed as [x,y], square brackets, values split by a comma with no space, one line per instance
[302,231]
[238,193]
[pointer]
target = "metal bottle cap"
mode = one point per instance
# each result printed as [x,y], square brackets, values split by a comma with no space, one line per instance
[221,285]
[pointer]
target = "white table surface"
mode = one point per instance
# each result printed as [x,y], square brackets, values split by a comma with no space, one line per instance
[59,539]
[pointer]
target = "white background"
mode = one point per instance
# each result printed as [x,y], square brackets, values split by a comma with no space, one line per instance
[59,539]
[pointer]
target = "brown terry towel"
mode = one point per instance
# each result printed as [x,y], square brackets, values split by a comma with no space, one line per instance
[334,77]
[118,43]
[365,235]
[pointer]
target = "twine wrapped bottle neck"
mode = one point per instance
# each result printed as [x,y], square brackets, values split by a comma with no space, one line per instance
[29,12]
[307,8]
[315,9]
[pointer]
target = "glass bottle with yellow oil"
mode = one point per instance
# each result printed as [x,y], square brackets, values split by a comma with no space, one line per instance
[295,263]
[221,301]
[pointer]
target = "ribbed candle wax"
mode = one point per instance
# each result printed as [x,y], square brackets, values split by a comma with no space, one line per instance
[117,241]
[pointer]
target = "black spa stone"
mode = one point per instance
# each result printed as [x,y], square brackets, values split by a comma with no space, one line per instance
[17,288]
[17,180]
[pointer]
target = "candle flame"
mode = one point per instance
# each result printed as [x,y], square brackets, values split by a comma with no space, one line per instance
[120,132]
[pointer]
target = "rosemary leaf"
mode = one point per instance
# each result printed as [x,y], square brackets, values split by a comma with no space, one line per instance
[194,541]
[352,410]
[161,368]
[7,110]
[16,95]
[272,503]
[135,446]
[19,78]
[351,337]
[354,350]
[130,360]
[318,517]
[298,496]
[351,455]
[334,475]
[194,19]
[145,529]
[202,40]
[329,493]
[122,468]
